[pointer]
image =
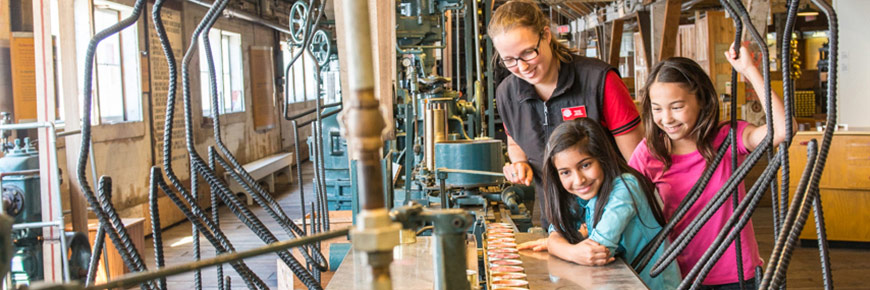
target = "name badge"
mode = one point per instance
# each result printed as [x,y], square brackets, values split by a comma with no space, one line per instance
[573,113]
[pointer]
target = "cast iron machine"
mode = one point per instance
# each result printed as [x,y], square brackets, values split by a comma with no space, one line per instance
[22,201]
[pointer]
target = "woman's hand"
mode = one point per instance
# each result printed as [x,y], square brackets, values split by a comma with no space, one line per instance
[518,173]
[536,245]
[743,63]
[590,253]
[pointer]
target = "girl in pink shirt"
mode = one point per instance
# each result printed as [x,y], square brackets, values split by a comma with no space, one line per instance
[680,112]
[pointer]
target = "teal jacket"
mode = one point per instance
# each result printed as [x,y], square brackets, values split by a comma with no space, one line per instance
[626,226]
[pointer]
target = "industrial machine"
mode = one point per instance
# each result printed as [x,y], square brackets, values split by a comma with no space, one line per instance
[21,200]
[438,125]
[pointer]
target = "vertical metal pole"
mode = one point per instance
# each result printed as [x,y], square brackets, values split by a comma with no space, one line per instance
[469,59]
[476,36]
[299,173]
[450,251]
[375,233]
[458,65]
[194,190]
[410,130]
[490,86]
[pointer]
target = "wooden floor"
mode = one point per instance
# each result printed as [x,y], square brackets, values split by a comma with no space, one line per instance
[851,266]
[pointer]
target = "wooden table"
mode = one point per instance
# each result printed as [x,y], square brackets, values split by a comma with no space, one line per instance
[549,272]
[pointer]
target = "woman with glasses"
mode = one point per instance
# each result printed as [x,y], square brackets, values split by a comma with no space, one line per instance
[549,85]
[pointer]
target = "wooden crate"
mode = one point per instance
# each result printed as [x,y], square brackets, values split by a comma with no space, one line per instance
[135,228]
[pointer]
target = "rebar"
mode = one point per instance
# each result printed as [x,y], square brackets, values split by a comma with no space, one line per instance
[156,230]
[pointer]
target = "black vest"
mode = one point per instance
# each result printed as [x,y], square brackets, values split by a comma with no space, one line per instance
[530,121]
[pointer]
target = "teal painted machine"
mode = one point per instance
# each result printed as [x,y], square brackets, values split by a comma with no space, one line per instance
[21,200]
[479,155]
[339,195]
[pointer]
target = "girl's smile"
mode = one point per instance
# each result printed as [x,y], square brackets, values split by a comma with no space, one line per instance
[675,111]
[580,174]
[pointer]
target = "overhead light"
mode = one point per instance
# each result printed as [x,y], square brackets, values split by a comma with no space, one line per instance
[806,11]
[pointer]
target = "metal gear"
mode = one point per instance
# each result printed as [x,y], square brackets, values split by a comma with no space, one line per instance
[320,47]
[298,21]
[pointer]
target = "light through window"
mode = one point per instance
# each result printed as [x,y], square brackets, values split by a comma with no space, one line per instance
[226,50]
[117,88]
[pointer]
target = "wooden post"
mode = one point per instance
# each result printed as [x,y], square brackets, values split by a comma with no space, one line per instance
[382,13]
[599,32]
[5,66]
[670,25]
[45,107]
[447,55]
[615,42]
[69,91]
[643,27]
[383,17]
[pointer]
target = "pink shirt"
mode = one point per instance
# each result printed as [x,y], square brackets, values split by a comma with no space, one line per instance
[674,184]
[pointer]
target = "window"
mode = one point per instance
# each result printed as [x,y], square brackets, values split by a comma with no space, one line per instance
[55,29]
[302,78]
[226,51]
[117,88]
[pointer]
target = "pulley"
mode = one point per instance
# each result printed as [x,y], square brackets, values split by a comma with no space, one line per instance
[298,19]
[320,47]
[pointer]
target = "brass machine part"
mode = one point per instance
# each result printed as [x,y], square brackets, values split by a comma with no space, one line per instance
[435,123]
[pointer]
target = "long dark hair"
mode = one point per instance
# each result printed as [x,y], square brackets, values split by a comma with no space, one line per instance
[691,77]
[560,206]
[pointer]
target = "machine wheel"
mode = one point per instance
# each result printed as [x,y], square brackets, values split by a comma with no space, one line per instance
[320,47]
[298,21]
[79,254]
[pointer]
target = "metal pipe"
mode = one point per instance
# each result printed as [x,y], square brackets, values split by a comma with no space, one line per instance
[474,172]
[311,111]
[68,133]
[439,120]
[305,123]
[410,129]
[461,126]
[299,174]
[244,16]
[22,226]
[450,248]
[375,233]
[134,279]
[429,138]
[477,68]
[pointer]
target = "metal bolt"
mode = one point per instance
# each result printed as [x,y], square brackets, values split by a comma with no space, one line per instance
[457,222]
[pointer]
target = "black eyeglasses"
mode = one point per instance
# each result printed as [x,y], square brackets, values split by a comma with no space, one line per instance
[526,56]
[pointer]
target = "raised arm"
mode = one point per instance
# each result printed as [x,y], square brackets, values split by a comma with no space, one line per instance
[752,136]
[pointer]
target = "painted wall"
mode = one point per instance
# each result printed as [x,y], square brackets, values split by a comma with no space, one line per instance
[853,62]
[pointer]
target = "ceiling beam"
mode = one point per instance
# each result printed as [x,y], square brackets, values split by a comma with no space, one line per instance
[576,7]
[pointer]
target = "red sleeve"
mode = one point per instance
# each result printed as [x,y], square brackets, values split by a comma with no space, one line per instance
[620,114]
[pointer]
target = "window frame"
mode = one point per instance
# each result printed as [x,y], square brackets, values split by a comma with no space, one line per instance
[126,58]
[225,65]
[304,87]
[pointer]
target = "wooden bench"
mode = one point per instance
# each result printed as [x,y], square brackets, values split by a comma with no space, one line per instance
[263,171]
